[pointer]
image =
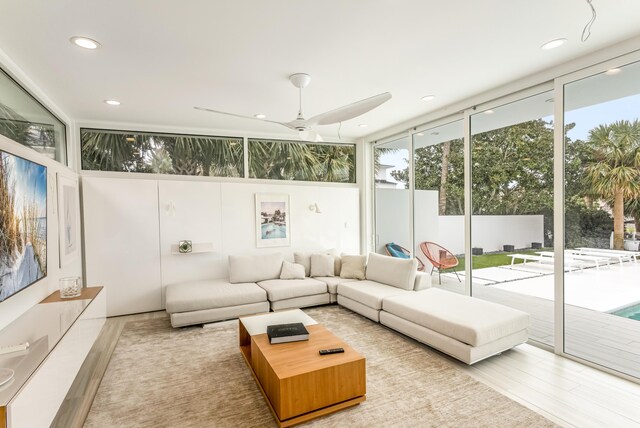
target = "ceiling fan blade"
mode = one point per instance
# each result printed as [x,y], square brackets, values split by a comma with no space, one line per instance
[309,135]
[243,117]
[350,111]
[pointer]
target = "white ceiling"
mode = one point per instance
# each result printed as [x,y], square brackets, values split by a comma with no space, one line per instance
[162,57]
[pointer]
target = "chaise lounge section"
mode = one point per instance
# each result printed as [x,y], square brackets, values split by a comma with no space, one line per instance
[200,302]
[464,327]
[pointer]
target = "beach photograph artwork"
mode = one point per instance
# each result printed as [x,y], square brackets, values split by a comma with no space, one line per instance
[23,223]
[272,215]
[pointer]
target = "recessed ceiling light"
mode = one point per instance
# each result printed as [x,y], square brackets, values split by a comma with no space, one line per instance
[428,98]
[489,111]
[420,134]
[112,102]
[553,44]
[84,42]
[363,125]
[260,116]
[612,71]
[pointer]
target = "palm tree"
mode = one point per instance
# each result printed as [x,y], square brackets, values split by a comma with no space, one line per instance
[282,160]
[614,172]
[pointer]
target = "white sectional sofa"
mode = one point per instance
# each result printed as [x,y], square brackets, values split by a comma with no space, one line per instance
[392,293]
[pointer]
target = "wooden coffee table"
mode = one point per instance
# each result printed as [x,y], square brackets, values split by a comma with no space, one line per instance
[298,383]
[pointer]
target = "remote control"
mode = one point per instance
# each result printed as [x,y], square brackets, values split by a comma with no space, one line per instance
[14,348]
[331,351]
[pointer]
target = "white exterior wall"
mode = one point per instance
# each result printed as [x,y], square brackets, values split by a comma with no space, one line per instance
[489,232]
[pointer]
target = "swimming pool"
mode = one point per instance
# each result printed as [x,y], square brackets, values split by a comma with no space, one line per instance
[632,312]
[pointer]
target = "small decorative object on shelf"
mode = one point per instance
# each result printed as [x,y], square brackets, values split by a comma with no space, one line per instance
[185,246]
[70,287]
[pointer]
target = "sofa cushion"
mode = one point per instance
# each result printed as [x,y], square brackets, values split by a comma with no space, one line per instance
[467,319]
[210,294]
[337,261]
[368,293]
[332,282]
[322,265]
[392,271]
[303,259]
[254,268]
[353,267]
[291,271]
[423,281]
[280,289]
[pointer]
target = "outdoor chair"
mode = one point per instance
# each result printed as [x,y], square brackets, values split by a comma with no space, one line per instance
[440,258]
[395,250]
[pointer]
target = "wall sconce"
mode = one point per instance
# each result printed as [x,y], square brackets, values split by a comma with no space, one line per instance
[171,209]
[315,208]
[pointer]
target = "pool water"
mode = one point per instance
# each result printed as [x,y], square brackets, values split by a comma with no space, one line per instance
[632,312]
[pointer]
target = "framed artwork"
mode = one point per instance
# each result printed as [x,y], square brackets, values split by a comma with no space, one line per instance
[23,223]
[69,219]
[273,228]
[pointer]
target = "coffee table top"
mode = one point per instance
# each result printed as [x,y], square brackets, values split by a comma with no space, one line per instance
[295,358]
[257,324]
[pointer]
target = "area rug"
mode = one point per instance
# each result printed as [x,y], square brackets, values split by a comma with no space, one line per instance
[195,377]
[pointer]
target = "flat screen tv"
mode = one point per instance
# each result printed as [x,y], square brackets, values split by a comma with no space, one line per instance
[23,223]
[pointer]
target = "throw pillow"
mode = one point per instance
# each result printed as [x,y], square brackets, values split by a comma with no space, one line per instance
[337,260]
[303,259]
[291,271]
[322,265]
[353,267]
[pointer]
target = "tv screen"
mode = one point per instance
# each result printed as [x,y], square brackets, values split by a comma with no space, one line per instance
[23,223]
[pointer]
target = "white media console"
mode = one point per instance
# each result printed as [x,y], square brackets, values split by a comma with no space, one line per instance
[60,333]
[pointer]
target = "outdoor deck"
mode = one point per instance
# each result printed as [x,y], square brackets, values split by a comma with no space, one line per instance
[591,334]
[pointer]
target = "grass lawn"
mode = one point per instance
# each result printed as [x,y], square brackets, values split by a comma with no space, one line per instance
[496,259]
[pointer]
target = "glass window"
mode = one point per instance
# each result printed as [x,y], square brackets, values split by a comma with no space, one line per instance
[130,151]
[26,121]
[301,161]
[512,209]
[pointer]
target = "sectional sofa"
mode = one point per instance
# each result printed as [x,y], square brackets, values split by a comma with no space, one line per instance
[390,291]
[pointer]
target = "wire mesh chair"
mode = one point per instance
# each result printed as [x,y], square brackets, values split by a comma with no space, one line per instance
[395,250]
[440,258]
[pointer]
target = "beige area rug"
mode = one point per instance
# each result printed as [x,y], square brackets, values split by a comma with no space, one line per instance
[195,377]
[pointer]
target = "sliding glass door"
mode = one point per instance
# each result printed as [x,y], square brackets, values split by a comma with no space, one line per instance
[438,203]
[392,195]
[512,209]
[602,218]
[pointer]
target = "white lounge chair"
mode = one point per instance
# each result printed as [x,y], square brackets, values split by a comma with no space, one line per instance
[620,255]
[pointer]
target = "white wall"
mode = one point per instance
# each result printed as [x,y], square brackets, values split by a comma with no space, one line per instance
[489,232]
[16,305]
[217,212]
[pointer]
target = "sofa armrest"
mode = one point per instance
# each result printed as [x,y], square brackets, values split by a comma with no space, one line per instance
[422,282]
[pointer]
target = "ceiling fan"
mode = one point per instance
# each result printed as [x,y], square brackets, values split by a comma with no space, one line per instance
[304,126]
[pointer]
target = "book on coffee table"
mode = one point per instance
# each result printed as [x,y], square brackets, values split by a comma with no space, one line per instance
[283,333]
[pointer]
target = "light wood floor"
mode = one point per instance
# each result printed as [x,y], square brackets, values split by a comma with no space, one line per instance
[562,390]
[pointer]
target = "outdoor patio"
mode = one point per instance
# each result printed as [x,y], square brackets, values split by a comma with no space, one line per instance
[591,332]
